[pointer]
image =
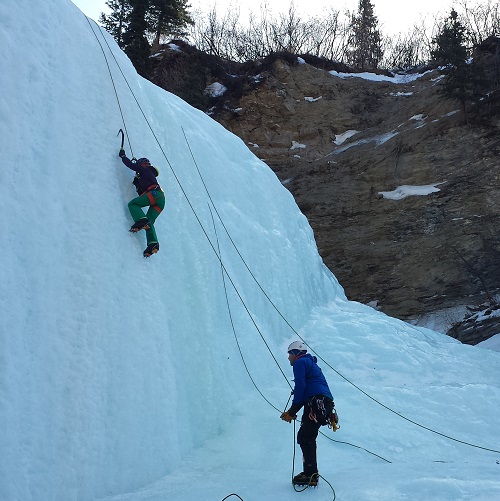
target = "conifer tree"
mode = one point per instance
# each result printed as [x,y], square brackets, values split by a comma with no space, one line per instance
[167,17]
[116,22]
[463,79]
[134,38]
[131,22]
[450,43]
[366,40]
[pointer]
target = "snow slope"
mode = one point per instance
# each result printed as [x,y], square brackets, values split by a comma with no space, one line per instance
[121,378]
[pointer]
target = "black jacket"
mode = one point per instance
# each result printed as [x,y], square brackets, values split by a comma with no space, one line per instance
[145,178]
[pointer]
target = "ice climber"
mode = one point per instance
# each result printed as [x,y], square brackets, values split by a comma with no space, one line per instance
[150,195]
[311,391]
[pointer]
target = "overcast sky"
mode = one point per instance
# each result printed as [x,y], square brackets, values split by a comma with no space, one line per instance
[394,16]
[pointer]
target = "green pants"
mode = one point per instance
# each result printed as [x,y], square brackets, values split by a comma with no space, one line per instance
[156,201]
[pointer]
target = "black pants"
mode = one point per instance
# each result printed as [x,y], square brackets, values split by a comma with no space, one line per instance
[308,432]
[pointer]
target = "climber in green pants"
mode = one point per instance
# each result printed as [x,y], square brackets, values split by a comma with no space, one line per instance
[150,195]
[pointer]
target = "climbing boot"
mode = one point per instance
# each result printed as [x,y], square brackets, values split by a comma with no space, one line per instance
[303,479]
[142,224]
[151,249]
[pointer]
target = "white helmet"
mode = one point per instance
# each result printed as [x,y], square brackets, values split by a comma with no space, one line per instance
[297,345]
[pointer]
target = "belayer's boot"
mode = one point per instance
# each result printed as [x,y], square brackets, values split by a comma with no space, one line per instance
[303,479]
[142,224]
[151,249]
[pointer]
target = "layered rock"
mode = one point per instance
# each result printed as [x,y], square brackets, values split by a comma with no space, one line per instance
[343,145]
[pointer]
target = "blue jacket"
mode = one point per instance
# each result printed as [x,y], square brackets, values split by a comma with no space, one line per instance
[309,381]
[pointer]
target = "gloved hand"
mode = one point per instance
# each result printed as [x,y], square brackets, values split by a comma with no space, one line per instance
[287,417]
[121,153]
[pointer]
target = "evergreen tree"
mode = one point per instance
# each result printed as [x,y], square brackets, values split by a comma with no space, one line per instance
[366,40]
[450,43]
[134,38]
[463,79]
[132,21]
[116,22]
[167,17]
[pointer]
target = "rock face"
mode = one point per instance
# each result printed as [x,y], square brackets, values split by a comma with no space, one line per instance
[478,326]
[338,144]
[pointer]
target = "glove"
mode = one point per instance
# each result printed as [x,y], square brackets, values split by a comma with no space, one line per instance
[287,417]
[121,153]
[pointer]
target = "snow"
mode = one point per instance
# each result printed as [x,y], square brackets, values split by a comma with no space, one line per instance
[297,146]
[378,140]
[395,79]
[215,89]
[493,343]
[341,138]
[312,99]
[121,379]
[407,190]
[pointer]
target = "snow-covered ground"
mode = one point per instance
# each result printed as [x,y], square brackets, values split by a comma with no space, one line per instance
[122,379]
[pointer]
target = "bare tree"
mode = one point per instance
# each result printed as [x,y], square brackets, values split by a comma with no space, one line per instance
[407,50]
[480,20]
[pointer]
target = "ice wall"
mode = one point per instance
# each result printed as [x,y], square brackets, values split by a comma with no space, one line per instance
[108,359]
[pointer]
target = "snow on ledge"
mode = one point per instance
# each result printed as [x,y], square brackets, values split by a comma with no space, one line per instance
[341,138]
[215,90]
[396,79]
[408,190]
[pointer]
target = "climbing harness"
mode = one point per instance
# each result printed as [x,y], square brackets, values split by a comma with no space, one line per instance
[322,411]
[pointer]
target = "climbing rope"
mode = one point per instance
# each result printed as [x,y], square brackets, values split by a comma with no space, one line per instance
[295,488]
[246,265]
[248,371]
[303,340]
[191,206]
[113,82]
[231,318]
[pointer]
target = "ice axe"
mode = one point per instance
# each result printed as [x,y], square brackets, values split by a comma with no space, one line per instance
[123,137]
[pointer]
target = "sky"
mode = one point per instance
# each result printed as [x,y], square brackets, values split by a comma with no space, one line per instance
[394,17]
[132,379]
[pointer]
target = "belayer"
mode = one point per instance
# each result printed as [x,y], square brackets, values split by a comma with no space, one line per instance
[150,195]
[311,391]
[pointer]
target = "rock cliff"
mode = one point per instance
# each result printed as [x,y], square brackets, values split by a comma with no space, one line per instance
[400,188]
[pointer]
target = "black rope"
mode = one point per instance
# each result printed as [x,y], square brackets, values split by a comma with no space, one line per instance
[295,487]
[231,318]
[113,82]
[208,238]
[251,273]
[193,210]
[248,371]
[233,494]
[355,446]
[311,349]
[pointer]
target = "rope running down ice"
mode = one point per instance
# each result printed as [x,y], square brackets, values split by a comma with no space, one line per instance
[259,285]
